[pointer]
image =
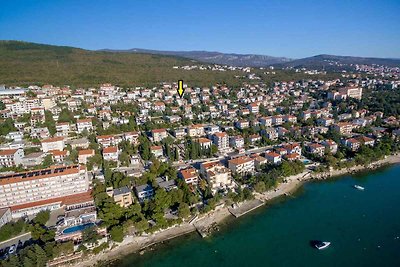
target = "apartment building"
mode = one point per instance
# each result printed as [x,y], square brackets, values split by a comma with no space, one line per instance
[84,124]
[236,141]
[204,143]
[217,175]
[110,153]
[189,175]
[11,157]
[221,140]
[55,143]
[273,157]
[242,165]
[63,129]
[316,149]
[27,193]
[122,196]
[158,134]
[343,127]
[84,155]
[254,108]
[195,130]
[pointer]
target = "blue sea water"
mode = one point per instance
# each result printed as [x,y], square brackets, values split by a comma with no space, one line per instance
[363,226]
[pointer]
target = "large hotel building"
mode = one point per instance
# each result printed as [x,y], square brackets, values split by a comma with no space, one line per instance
[27,193]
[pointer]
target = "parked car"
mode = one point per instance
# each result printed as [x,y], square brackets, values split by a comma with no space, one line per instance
[12,250]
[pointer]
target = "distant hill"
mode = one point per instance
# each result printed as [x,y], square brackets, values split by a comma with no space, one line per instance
[243,60]
[23,63]
[331,62]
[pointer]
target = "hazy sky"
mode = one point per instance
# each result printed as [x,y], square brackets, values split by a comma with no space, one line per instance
[278,28]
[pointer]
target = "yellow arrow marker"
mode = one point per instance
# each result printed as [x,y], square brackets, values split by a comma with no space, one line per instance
[180,89]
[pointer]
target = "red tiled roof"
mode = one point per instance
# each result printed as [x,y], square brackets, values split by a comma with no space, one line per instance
[110,149]
[66,200]
[7,152]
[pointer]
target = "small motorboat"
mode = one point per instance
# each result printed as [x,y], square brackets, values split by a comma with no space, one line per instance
[320,244]
[359,187]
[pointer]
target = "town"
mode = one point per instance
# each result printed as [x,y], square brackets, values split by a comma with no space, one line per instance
[83,168]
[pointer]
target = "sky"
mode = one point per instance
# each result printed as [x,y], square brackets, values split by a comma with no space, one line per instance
[286,28]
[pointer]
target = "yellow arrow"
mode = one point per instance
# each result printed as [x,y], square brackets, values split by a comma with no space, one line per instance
[180,89]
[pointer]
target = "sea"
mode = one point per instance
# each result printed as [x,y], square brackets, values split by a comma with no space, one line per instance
[362,226]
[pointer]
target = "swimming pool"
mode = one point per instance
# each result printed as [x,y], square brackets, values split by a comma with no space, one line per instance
[76,228]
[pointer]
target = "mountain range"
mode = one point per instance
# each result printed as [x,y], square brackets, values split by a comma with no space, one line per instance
[243,60]
[252,60]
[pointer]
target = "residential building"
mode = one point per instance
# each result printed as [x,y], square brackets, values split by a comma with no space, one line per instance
[144,192]
[84,155]
[55,143]
[158,134]
[242,165]
[11,157]
[217,175]
[189,175]
[273,157]
[84,124]
[157,151]
[122,196]
[110,153]
[204,143]
[221,140]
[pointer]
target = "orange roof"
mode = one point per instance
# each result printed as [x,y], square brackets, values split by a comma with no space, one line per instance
[86,152]
[110,149]
[155,147]
[272,154]
[67,200]
[158,130]
[221,134]
[240,160]
[210,164]
[58,153]
[7,152]
[189,173]
[292,156]
[203,140]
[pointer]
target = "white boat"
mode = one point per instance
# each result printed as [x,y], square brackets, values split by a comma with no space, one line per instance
[322,244]
[359,187]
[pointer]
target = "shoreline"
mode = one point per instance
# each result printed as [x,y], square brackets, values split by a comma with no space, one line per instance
[134,244]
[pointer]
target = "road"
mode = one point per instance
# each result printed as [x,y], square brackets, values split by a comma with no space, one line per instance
[14,241]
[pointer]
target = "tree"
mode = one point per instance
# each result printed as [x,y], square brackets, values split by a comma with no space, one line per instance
[117,233]
[90,235]
[7,126]
[260,187]
[183,210]
[66,116]
[42,217]
[47,161]
[49,122]
[144,148]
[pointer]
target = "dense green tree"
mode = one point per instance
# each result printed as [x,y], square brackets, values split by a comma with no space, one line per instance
[183,210]
[42,217]
[117,233]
